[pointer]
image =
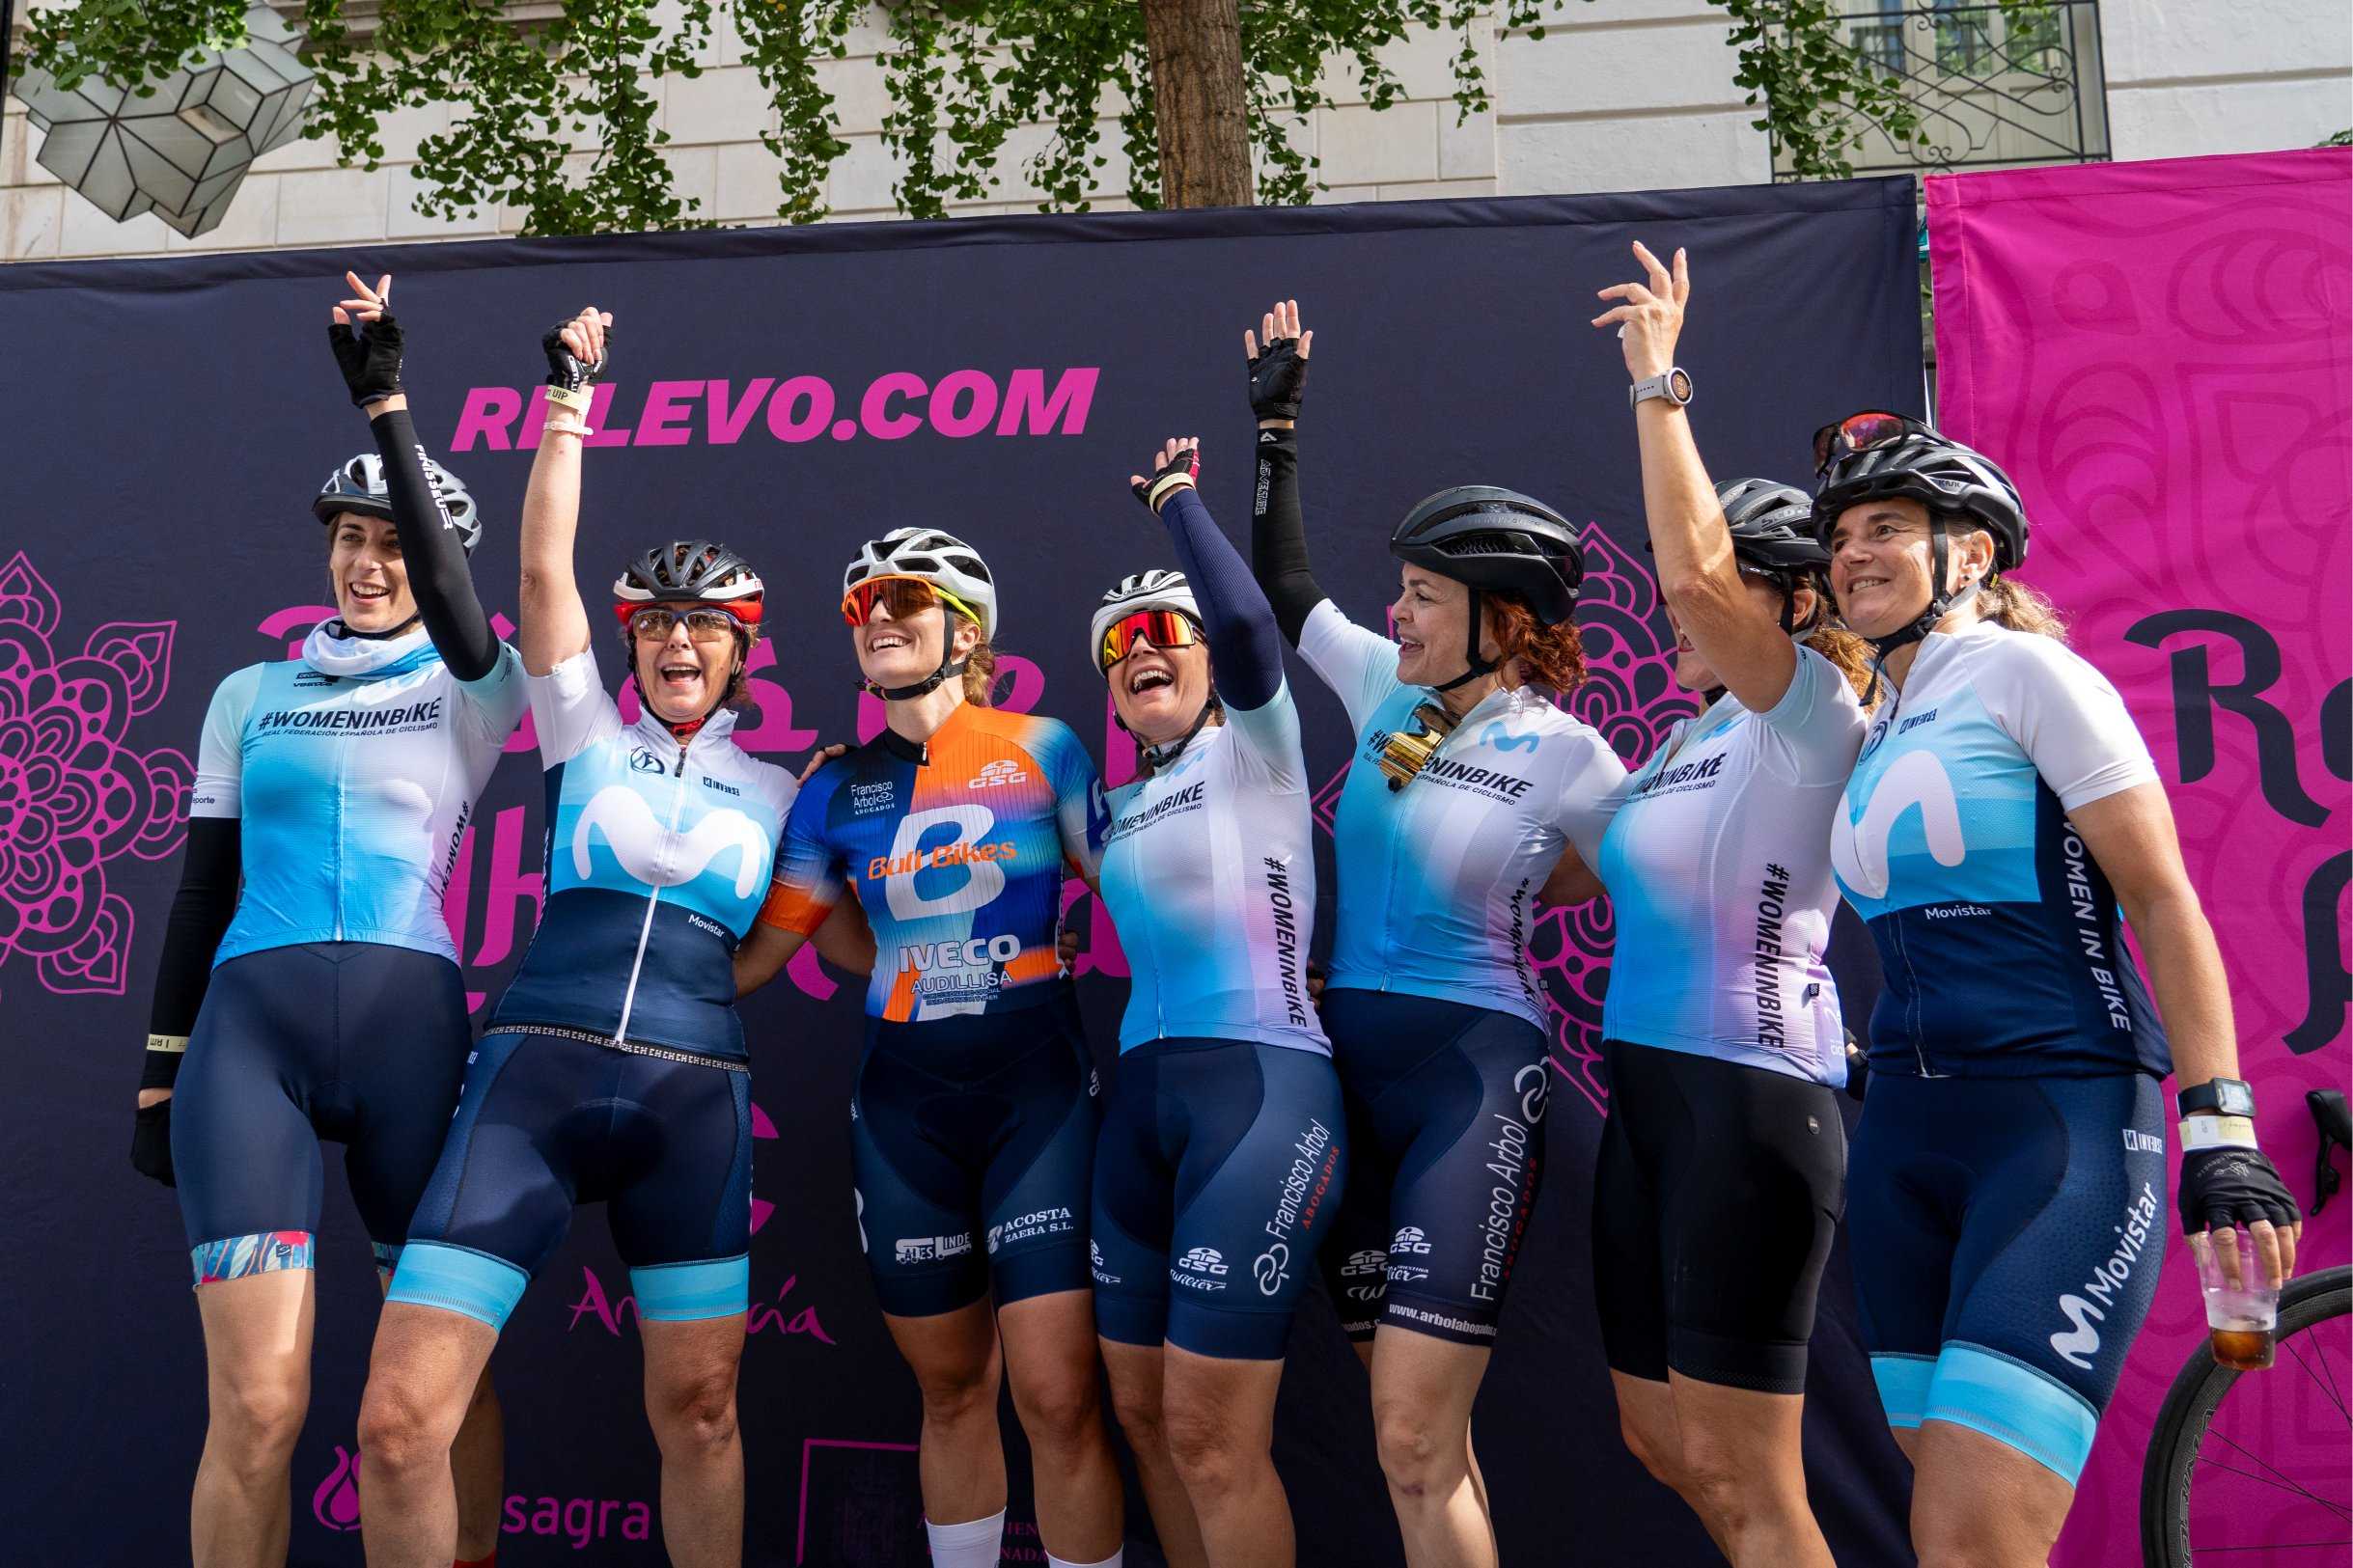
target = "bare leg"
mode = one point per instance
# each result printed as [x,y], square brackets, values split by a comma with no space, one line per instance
[1050,1362]
[1978,1504]
[956,1366]
[477,1464]
[1221,1427]
[690,1400]
[422,1378]
[1647,1420]
[257,1388]
[1136,1399]
[1423,1388]
[1744,1458]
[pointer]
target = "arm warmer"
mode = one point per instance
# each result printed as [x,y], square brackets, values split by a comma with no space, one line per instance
[1246,652]
[1278,535]
[201,912]
[434,553]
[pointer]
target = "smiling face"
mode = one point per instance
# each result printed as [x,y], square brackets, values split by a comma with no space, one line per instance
[1879,562]
[1159,692]
[893,652]
[1692,670]
[370,579]
[681,676]
[1432,615]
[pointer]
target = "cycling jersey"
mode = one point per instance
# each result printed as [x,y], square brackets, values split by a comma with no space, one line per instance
[955,848]
[2000,938]
[1437,879]
[658,854]
[1209,874]
[354,769]
[1717,859]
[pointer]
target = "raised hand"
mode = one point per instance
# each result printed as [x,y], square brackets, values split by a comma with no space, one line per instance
[1175,469]
[578,350]
[368,353]
[1651,318]
[1278,370]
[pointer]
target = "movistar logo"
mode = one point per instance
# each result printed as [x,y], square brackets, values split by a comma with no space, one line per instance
[1503,740]
[2080,1343]
[1914,780]
[660,858]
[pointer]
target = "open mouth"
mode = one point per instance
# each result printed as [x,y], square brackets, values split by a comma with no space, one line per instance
[680,676]
[883,640]
[369,592]
[1150,680]
[1408,649]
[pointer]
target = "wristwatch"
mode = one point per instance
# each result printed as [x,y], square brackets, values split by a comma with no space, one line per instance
[1675,386]
[2220,1097]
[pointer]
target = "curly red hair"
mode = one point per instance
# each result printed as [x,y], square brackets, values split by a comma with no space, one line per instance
[1529,652]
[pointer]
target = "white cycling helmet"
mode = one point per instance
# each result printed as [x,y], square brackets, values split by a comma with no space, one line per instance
[1155,589]
[946,562]
[358,485]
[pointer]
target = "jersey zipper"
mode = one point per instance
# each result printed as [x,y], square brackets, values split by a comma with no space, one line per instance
[653,896]
[343,776]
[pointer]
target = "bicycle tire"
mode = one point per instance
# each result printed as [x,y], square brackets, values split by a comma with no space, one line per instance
[2190,1404]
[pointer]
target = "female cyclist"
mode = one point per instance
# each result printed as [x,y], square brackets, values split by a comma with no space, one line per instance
[2003,826]
[614,1068]
[973,1119]
[1222,1158]
[1472,795]
[1720,1178]
[309,988]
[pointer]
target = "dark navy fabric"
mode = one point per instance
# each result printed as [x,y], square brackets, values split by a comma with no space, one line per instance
[1217,1177]
[685,992]
[1245,648]
[355,1042]
[972,1146]
[1446,1145]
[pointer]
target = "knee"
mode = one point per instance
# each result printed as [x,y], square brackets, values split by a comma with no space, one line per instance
[397,1431]
[1724,1491]
[696,1411]
[1417,1459]
[258,1416]
[1206,1448]
[1059,1411]
[1664,1467]
[961,1393]
[1142,1417]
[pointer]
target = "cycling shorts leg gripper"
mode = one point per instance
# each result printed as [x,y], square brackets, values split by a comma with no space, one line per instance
[690,1292]
[234,1257]
[2016,1405]
[457,1280]
[1904,1382]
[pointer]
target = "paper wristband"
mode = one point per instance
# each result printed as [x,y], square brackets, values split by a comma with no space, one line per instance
[167,1042]
[2217,1133]
[569,398]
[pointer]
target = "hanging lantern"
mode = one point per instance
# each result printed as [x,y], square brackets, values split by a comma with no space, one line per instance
[180,153]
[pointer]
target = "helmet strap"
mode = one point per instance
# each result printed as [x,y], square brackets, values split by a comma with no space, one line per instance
[950,665]
[1153,758]
[1941,604]
[384,636]
[1474,665]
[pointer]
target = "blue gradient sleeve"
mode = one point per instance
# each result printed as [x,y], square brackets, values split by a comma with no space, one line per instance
[1245,644]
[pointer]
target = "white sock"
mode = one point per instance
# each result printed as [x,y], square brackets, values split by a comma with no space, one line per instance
[974,1544]
[1112,1562]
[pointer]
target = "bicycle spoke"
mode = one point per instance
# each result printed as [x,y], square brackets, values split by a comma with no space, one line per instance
[2328,1384]
[2276,1480]
[2277,1545]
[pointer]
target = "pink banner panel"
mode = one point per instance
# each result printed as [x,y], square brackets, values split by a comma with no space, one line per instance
[2158,352]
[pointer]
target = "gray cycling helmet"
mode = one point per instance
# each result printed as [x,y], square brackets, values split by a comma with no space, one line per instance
[358,485]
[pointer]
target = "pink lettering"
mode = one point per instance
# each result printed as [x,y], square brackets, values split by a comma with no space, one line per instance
[874,410]
[663,424]
[294,617]
[726,423]
[509,887]
[600,413]
[775,731]
[980,392]
[785,425]
[1030,409]
[1029,683]
[807,974]
[489,414]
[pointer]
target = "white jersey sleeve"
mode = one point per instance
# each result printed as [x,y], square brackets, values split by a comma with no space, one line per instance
[570,709]
[1591,780]
[1267,751]
[2064,714]
[498,700]
[1360,665]
[1813,734]
[220,751]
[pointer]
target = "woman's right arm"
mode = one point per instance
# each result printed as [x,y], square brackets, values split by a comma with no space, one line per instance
[555,625]
[1277,529]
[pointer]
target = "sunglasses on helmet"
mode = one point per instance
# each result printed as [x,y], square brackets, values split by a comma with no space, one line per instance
[1861,432]
[1162,628]
[906,597]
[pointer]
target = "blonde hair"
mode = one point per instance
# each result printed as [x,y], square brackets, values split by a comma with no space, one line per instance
[981,673]
[2021,607]
[1849,653]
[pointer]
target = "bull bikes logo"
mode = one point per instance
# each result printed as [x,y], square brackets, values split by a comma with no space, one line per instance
[583,1520]
[2080,1341]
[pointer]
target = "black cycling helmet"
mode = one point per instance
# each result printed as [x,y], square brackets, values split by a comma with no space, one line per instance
[358,485]
[1772,528]
[1494,540]
[1865,457]
[693,572]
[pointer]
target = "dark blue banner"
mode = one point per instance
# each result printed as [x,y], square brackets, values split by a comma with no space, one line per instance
[795,392]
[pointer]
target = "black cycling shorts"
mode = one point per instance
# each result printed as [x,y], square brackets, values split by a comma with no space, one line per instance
[1446,1108]
[1716,1193]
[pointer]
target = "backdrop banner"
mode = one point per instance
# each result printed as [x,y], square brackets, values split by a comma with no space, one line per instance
[793,393]
[2157,353]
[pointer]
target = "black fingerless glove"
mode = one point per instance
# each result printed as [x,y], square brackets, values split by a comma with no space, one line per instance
[566,374]
[150,1142]
[2231,1187]
[1278,380]
[1167,478]
[368,356]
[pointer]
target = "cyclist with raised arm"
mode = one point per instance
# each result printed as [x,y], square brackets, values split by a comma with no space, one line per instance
[309,987]
[614,1068]
[1223,1152]
[1472,796]
[1720,1178]
[973,1119]
[2004,825]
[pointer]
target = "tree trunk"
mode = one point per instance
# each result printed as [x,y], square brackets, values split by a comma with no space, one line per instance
[1196,50]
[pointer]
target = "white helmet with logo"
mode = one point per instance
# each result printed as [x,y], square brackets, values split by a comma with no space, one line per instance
[946,562]
[1155,589]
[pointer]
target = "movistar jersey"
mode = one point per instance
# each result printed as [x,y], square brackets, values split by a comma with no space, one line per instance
[659,855]
[1209,874]
[354,771]
[956,849]
[1718,864]
[1999,937]
[1437,879]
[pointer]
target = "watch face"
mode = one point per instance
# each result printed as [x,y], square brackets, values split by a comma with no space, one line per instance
[1678,385]
[2237,1099]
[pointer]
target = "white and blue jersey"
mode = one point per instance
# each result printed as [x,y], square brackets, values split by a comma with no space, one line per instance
[1210,873]
[1717,860]
[2003,949]
[354,770]
[659,855]
[1437,879]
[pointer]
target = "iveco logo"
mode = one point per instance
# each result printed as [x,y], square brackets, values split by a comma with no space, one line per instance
[660,858]
[1917,779]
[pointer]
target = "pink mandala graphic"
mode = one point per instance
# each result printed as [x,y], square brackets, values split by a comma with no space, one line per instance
[72,794]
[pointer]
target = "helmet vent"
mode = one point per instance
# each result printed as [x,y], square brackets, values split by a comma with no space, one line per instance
[1491,543]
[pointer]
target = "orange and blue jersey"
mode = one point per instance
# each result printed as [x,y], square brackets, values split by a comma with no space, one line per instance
[956,849]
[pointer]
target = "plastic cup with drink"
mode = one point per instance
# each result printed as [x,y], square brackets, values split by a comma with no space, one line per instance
[2243,1317]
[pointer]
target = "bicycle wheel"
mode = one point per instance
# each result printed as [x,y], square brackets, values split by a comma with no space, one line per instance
[2259,1468]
